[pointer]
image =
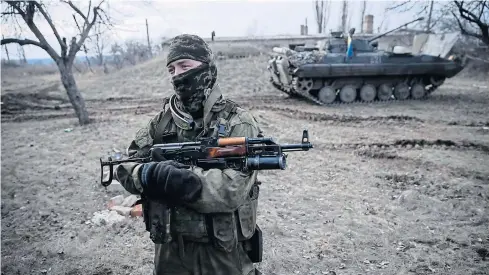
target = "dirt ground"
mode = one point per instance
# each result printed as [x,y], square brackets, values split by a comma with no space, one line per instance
[390,188]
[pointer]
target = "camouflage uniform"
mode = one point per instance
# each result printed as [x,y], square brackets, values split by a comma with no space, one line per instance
[209,234]
[301,58]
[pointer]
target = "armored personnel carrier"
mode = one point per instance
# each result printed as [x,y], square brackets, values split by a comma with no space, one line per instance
[326,76]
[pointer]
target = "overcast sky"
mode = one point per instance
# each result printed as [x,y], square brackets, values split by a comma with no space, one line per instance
[226,18]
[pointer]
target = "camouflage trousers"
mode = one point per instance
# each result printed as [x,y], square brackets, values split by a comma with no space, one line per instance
[199,258]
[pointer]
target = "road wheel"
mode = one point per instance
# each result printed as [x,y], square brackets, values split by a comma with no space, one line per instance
[304,85]
[327,94]
[384,92]
[401,92]
[368,93]
[418,91]
[348,94]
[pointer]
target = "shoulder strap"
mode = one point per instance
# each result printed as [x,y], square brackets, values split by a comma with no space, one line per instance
[229,109]
[162,124]
[223,117]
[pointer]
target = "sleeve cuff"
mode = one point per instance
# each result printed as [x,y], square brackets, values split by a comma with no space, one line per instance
[136,179]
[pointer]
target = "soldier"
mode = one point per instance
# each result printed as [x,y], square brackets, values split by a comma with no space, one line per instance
[213,212]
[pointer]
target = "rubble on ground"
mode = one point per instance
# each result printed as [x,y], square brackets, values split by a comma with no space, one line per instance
[119,208]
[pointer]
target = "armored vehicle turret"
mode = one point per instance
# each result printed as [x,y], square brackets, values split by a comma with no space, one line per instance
[337,42]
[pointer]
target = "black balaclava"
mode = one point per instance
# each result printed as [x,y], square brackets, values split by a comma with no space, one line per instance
[191,85]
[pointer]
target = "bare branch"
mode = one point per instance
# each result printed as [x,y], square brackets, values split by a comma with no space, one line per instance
[105,21]
[64,49]
[75,47]
[398,5]
[482,9]
[50,22]
[473,18]
[463,30]
[77,10]
[10,13]
[89,8]
[22,42]
[28,17]
[80,29]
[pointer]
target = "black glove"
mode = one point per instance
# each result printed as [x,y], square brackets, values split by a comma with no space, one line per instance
[170,180]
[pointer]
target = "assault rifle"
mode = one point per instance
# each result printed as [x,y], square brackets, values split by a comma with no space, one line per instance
[240,153]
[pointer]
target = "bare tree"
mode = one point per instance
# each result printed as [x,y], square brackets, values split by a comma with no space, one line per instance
[100,43]
[327,13]
[149,43]
[64,60]
[476,16]
[117,55]
[321,14]
[470,18]
[132,52]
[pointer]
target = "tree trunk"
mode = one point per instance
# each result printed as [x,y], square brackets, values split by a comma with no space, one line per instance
[74,94]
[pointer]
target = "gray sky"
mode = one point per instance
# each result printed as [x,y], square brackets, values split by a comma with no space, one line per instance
[226,18]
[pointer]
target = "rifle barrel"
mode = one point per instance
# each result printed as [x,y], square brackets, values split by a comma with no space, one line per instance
[296,147]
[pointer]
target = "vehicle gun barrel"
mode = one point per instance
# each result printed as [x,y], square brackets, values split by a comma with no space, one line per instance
[386,33]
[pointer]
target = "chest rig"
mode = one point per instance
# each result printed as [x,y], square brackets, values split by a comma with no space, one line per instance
[223,230]
[167,129]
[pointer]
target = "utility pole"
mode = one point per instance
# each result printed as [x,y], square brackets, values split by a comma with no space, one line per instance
[147,35]
[306,29]
[428,23]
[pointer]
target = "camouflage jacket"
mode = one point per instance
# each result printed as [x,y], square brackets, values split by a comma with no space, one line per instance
[227,191]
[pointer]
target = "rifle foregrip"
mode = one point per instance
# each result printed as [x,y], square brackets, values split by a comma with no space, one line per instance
[231,141]
[233,151]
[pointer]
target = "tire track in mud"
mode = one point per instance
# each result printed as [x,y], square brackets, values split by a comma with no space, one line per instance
[290,105]
[258,100]
[288,108]
[382,154]
[337,119]
[408,144]
[114,106]
[93,112]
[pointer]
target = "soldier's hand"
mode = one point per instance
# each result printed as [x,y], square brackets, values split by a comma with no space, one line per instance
[170,180]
